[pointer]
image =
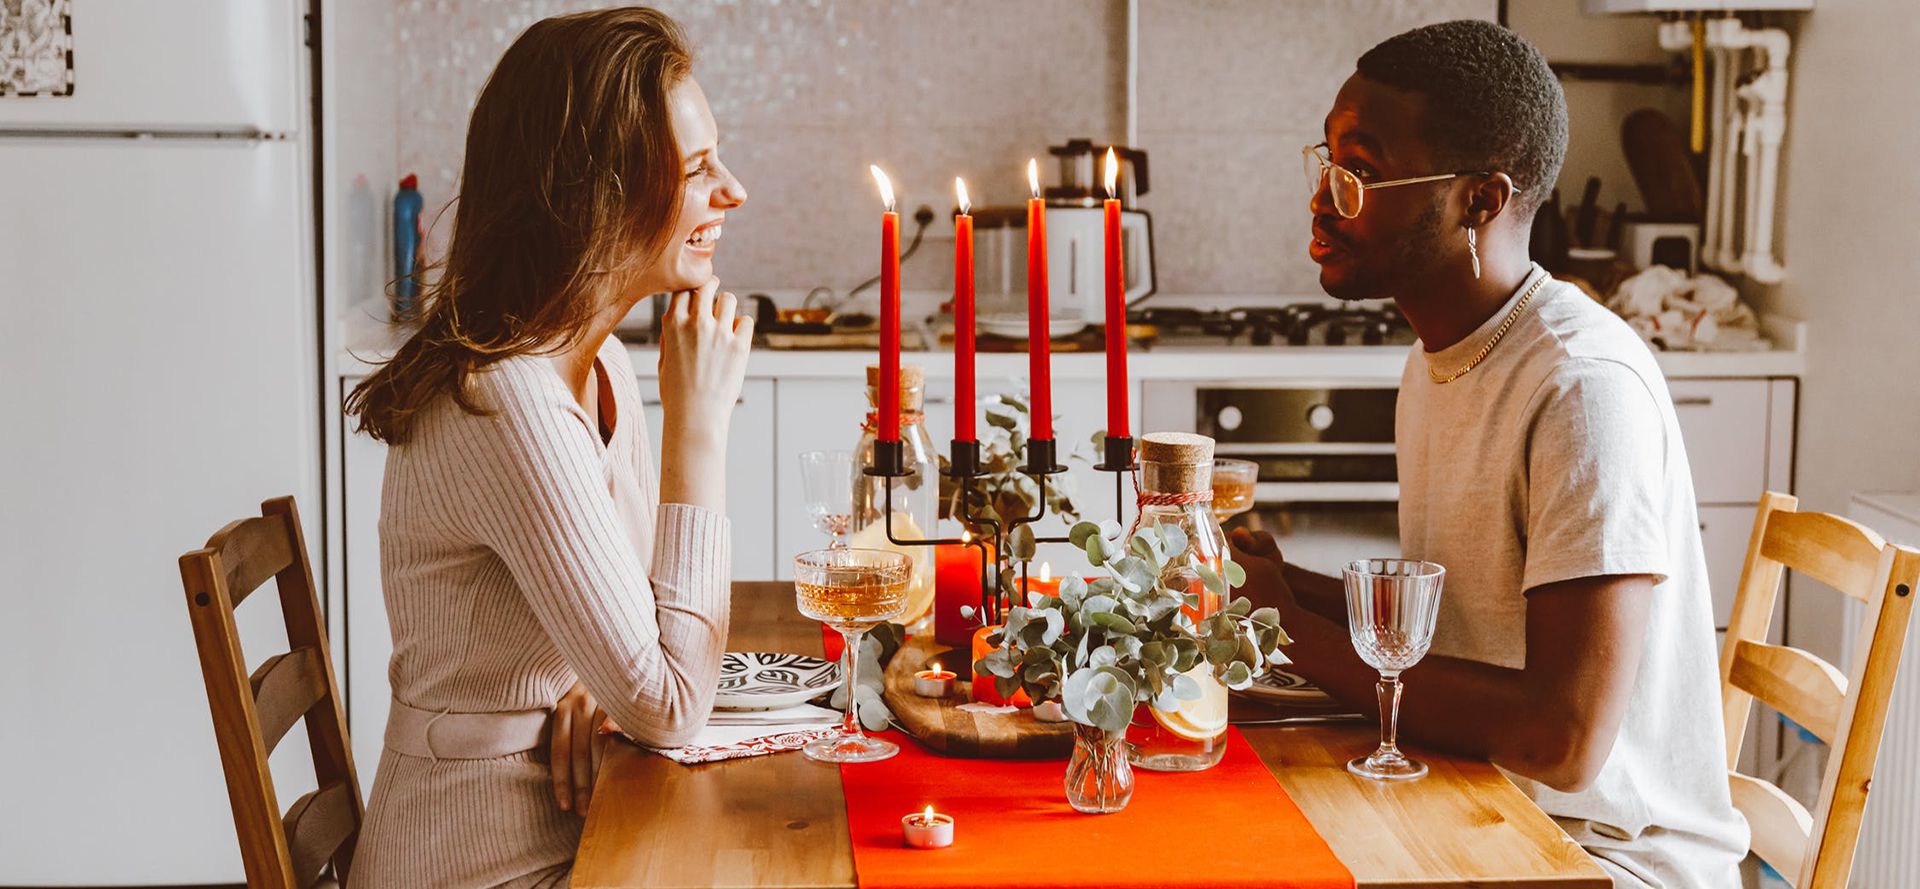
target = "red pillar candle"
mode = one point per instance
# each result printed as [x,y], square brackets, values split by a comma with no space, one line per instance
[1038,345]
[889,312]
[965,403]
[956,583]
[1116,309]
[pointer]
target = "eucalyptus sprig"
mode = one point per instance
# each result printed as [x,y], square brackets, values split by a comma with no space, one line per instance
[1003,491]
[1103,646]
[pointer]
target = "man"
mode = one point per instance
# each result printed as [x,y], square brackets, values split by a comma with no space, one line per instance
[1540,462]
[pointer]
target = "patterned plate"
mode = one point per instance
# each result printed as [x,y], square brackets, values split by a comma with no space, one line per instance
[763,680]
[1283,687]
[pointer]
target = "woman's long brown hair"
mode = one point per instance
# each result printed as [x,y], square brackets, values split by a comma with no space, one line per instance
[572,175]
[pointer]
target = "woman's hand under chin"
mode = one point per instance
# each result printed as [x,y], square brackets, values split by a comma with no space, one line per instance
[703,363]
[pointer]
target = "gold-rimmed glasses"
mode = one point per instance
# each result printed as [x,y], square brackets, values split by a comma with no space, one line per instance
[1348,189]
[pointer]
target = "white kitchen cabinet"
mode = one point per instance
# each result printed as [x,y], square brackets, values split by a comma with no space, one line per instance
[1724,531]
[752,441]
[1725,425]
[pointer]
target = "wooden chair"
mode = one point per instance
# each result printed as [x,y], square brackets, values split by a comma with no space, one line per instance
[1847,711]
[252,713]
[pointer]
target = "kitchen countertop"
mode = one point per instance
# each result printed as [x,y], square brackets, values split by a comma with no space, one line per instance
[370,340]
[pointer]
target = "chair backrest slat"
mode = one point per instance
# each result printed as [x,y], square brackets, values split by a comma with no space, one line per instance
[1803,687]
[1835,551]
[1780,826]
[316,824]
[252,713]
[285,687]
[1848,710]
[251,551]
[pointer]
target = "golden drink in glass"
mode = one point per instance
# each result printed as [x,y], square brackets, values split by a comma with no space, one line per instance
[851,589]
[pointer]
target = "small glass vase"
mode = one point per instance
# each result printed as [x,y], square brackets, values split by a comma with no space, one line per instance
[1099,778]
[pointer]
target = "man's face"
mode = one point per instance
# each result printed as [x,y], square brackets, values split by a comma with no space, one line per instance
[1376,132]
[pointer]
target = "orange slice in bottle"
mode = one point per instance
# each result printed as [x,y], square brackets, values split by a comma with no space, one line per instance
[1203,718]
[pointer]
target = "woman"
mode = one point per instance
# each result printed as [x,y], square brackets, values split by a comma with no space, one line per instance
[530,567]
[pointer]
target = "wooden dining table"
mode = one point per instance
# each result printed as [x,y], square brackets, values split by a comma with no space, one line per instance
[781,820]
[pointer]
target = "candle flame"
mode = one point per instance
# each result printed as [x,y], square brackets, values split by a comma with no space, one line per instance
[926,817]
[1033,175]
[966,536]
[1113,174]
[886,186]
[960,189]
[934,667]
[1046,570]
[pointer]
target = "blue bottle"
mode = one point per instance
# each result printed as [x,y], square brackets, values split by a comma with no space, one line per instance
[408,234]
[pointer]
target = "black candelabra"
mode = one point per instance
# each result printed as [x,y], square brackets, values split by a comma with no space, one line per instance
[964,468]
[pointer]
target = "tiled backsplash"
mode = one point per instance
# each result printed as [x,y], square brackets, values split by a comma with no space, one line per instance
[808,92]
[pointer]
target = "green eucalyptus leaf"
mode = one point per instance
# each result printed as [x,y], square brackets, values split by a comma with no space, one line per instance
[1220,651]
[1212,581]
[1240,607]
[1056,624]
[1078,534]
[1135,574]
[1098,604]
[1104,656]
[1000,420]
[1236,574]
[1015,402]
[1020,543]
[1238,676]
[1111,530]
[1185,688]
[966,612]
[1173,539]
[1142,546]
[1112,622]
[1073,591]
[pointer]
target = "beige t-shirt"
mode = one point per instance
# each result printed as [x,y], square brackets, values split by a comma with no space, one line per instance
[1558,458]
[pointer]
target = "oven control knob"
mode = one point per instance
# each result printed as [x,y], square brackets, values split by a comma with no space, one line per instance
[1229,418]
[1320,417]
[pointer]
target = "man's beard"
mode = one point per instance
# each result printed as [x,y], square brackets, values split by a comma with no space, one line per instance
[1408,263]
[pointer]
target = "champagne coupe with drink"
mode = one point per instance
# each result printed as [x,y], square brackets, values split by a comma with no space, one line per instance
[851,590]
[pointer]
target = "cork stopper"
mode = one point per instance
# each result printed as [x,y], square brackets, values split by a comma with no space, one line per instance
[911,376]
[912,381]
[1176,462]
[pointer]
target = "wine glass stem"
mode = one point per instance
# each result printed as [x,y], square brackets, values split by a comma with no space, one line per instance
[849,668]
[1388,691]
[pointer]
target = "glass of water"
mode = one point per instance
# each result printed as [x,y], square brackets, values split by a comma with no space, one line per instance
[829,499]
[1391,607]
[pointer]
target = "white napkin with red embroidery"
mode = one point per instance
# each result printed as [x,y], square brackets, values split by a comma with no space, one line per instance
[732,734]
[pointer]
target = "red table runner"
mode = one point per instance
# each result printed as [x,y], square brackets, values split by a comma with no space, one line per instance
[1231,825]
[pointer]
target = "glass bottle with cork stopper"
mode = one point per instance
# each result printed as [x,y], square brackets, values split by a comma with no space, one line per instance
[915,492]
[1176,488]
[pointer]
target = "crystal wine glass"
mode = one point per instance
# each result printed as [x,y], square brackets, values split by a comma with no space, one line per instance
[851,589]
[1233,482]
[823,482]
[1391,607]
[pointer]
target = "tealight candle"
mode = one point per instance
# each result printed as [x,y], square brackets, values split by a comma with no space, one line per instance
[928,829]
[933,682]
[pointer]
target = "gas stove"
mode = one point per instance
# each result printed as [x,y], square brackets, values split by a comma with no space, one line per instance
[1271,322]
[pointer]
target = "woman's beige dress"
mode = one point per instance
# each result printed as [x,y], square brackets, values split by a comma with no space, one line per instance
[518,552]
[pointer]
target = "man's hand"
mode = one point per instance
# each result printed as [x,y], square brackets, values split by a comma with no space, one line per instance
[578,740]
[1266,584]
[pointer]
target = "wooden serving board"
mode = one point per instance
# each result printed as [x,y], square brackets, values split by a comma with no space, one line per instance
[940,724]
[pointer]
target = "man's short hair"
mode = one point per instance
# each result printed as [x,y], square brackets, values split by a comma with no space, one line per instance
[1493,104]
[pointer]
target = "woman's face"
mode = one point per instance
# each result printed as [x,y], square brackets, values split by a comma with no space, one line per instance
[710,192]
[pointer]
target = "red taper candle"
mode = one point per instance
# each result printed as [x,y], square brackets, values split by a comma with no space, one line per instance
[889,312]
[964,401]
[1116,309]
[1038,345]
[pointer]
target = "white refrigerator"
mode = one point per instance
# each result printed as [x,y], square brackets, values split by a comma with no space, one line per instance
[158,377]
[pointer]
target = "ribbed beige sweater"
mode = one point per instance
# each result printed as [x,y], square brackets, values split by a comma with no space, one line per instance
[518,552]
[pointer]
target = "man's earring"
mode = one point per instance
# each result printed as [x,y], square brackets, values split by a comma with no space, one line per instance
[1473,250]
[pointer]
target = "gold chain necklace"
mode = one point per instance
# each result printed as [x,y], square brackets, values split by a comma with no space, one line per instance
[1512,316]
